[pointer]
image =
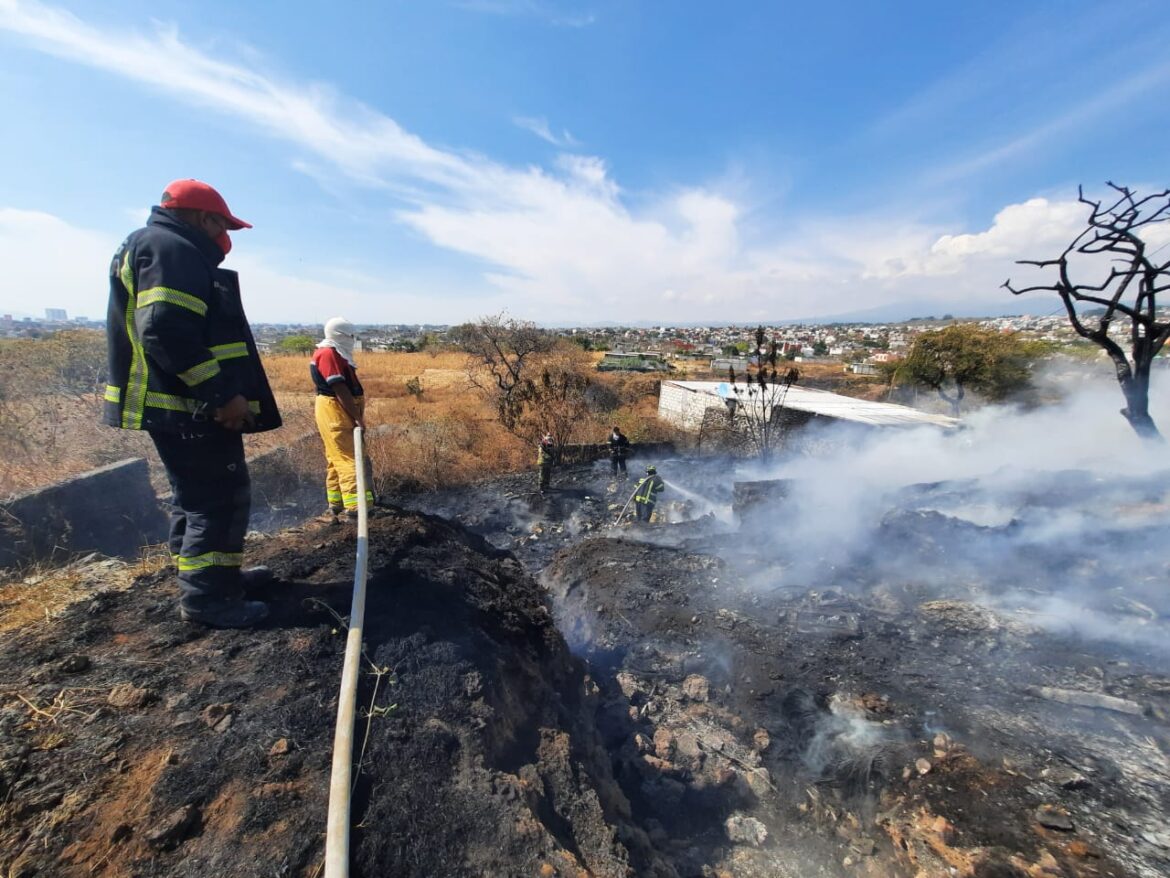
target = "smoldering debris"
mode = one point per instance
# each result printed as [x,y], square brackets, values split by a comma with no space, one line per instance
[1045,511]
[845,744]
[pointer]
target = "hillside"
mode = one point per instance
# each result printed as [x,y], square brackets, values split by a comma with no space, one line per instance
[548,696]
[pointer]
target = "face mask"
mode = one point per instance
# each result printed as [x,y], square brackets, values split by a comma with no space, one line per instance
[225,243]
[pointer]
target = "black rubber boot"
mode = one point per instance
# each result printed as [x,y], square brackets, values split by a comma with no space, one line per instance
[255,577]
[228,614]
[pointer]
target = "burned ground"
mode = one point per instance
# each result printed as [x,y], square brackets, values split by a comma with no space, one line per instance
[137,745]
[686,699]
[901,706]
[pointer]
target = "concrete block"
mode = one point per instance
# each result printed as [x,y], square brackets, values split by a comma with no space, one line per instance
[112,510]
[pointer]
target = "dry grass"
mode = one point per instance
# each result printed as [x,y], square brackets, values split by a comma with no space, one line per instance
[383,373]
[445,435]
[45,440]
[41,592]
[448,434]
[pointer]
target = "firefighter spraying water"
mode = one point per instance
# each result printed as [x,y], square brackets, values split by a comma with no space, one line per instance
[645,496]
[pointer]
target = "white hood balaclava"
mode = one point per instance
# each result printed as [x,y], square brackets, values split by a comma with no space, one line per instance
[340,335]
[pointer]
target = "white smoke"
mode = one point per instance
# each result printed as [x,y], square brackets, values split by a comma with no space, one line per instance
[1069,475]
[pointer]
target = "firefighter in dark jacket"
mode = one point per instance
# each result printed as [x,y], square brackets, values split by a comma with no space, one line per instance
[646,494]
[183,366]
[619,447]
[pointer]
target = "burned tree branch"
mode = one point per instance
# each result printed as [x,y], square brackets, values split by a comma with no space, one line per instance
[1129,290]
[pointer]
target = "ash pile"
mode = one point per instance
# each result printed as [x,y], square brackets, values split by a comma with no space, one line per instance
[964,677]
[814,670]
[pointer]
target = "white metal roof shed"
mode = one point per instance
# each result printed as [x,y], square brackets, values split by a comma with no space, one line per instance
[831,405]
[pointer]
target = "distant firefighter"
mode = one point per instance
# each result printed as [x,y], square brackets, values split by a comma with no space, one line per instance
[340,407]
[619,447]
[646,494]
[545,458]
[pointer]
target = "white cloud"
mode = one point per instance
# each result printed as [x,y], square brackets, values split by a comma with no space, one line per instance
[358,140]
[565,243]
[539,126]
[51,264]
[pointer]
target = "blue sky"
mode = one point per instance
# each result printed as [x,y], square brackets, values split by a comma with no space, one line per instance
[578,162]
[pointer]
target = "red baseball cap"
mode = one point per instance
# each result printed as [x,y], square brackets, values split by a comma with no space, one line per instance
[197,195]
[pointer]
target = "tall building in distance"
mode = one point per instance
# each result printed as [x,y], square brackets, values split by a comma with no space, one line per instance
[56,315]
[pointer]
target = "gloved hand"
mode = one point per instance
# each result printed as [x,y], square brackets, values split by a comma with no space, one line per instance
[234,414]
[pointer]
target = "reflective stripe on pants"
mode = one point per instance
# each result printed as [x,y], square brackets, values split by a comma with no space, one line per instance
[336,429]
[210,502]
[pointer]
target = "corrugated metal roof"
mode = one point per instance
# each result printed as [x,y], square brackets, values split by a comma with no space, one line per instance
[834,405]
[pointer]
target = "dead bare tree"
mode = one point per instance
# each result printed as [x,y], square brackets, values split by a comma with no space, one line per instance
[759,400]
[1129,291]
[499,348]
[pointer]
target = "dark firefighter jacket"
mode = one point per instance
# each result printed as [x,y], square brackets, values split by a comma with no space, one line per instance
[648,489]
[179,344]
[618,446]
[546,454]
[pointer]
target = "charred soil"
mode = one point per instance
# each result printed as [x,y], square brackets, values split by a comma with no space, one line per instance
[547,695]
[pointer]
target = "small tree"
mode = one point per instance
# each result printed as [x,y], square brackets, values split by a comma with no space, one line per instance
[296,344]
[1123,292]
[538,383]
[965,356]
[554,401]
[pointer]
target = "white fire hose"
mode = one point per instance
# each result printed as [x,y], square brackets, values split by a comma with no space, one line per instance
[624,508]
[340,782]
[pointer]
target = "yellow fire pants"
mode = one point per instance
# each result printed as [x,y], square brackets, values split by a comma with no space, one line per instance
[336,429]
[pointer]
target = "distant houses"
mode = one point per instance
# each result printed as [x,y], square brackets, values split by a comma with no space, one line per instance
[722,364]
[633,361]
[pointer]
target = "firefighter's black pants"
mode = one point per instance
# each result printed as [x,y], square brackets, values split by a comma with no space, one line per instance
[644,510]
[210,502]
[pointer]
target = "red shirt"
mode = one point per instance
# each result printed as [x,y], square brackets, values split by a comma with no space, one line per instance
[328,368]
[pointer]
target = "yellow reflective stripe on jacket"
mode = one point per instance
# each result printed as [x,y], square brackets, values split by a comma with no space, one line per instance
[200,373]
[647,489]
[171,402]
[135,400]
[172,297]
[229,351]
[211,559]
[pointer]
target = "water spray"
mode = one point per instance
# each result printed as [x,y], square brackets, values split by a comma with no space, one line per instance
[698,499]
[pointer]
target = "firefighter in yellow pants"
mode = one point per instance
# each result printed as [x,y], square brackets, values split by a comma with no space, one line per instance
[336,429]
[339,408]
